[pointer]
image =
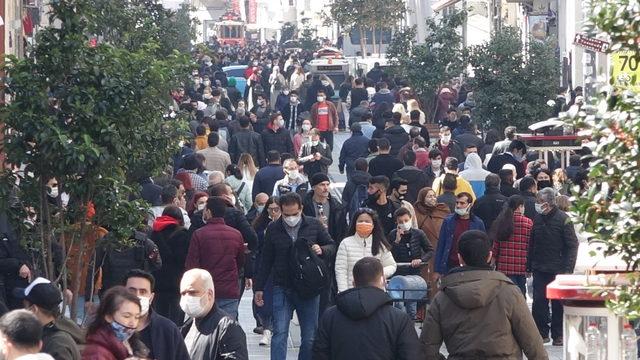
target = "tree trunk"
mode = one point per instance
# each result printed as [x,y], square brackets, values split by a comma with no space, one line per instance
[373,40]
[381,41]
[363,48]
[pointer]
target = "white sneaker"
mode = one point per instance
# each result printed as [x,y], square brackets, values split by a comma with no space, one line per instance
[266,338]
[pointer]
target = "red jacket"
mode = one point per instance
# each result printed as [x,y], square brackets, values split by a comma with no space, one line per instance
[219,249]
[103,345]
[511,255]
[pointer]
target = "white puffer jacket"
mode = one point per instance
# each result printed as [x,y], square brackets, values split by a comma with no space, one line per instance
[351,250]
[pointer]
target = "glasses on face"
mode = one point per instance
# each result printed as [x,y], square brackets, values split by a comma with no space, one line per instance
[273,209]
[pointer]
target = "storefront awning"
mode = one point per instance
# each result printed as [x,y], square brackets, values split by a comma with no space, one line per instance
[441,4]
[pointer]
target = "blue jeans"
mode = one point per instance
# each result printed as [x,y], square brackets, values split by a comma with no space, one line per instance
[284,302]
[521,282]
[230,306]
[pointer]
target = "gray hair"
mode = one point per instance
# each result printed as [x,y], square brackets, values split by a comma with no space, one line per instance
[215,177]
[202,275]
[548,195]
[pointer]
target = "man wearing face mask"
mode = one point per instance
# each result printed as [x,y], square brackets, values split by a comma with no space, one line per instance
[293,181]
[553,250]
[447,146]
[446,257]
[233,216]
[219,249]
[324,117]
[159,334]
[291,111]
[514,155]
[279,238]
[210,332]
[258,207]
[43,299]
[315,156]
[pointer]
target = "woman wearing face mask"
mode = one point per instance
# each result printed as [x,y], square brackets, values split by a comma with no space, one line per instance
[511,233]
[263,314]
[315,156]
[366,239]
[429,215]
[172,240]
[235,180]
[543,178]
[302,137]
[112,335]
[276,137]
[293,180]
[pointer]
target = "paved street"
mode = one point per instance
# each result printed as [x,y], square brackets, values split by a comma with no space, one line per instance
[257,352]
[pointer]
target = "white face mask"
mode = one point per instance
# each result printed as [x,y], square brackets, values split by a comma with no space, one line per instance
[293,99]
[280,122]
[320,98]
[286,92]
[325,83]
[207,83]
[315,142]
[405,226]
[260,208]
[436,164]
[232,199]
[145,302]
[54,192]
[292,220]
[201,206]
[192,306]
[446,139]
[539,208]
[462,212]
[306,127]
[293,174]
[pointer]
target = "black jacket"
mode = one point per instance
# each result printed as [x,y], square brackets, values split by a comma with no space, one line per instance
[166,340]
[357,95]
[431,175]
[356,114]
[287,114]
[385,164]
[498,161]
[266,178]
[357,146]
[247,141]
[489,206]
[59,343]
[357,178]
[277,244]
[529,204]
[210,345]
[173,244]
[553,247]
[417,180]
[398,137]
[364,325]
[277,140]
[337,216]
[469,138]
[507,190]
[413,245]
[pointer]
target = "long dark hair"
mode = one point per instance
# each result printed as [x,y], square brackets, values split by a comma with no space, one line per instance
[109,305]
[263,219]
[502,227]
[380,242]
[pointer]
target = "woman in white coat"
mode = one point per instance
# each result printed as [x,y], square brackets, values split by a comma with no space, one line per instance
[367,239]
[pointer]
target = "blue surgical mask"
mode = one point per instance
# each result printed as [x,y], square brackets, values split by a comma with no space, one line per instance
[260,208]
[122,332]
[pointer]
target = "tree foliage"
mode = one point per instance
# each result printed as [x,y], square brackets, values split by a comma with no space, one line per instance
[511,87]
[609,210]
[88,116]
[430,65]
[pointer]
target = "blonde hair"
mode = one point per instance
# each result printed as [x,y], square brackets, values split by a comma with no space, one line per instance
[563,202]
[245,162]
[399,108]
[559,176]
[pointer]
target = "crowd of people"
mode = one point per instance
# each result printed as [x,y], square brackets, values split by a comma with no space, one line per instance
[248,204]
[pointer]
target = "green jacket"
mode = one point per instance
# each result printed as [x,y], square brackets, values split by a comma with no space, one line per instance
[59,343]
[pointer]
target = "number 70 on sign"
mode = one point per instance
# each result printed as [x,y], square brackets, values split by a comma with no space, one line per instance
[626,70]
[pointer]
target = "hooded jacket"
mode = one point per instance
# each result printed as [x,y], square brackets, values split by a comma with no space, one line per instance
[364,325]
[417,180]
[397,137]
[358,177]
[480,314]
[474,173]
[554,245]
[173,244]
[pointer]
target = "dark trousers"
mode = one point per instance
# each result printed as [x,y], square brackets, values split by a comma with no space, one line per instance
[327,136]
[521,282]
[540,308]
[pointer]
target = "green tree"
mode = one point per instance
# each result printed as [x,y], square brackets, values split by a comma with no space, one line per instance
[511,86]
[430,65]
[350,15]
[89,117]
[384,16]
[609,209]
[307,37]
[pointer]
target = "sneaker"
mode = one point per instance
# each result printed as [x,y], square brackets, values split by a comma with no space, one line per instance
[266,338]
[258,330]
[546,340]
[557,341]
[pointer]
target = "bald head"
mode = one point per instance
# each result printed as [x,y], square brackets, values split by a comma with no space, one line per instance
[198,283]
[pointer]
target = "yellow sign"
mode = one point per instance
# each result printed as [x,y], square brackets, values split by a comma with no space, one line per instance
[626,70]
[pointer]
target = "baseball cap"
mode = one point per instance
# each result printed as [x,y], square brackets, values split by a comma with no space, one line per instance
[40,292]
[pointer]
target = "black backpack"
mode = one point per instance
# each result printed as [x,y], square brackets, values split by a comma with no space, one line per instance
[309,272]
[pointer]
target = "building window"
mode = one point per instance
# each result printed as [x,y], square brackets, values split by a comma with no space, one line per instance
[291,3]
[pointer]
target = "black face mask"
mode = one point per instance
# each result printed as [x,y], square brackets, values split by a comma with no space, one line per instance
[375,196]
[543,184]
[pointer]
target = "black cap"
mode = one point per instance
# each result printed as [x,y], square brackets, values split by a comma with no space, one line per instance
[318,178]
[40,292]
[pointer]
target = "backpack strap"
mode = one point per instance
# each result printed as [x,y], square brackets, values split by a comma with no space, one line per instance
[240,188]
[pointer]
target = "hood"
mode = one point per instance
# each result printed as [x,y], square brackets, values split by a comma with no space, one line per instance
[473,161]
[471,288]
[360,177]
[360,303]
[384,91]
[164,222]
